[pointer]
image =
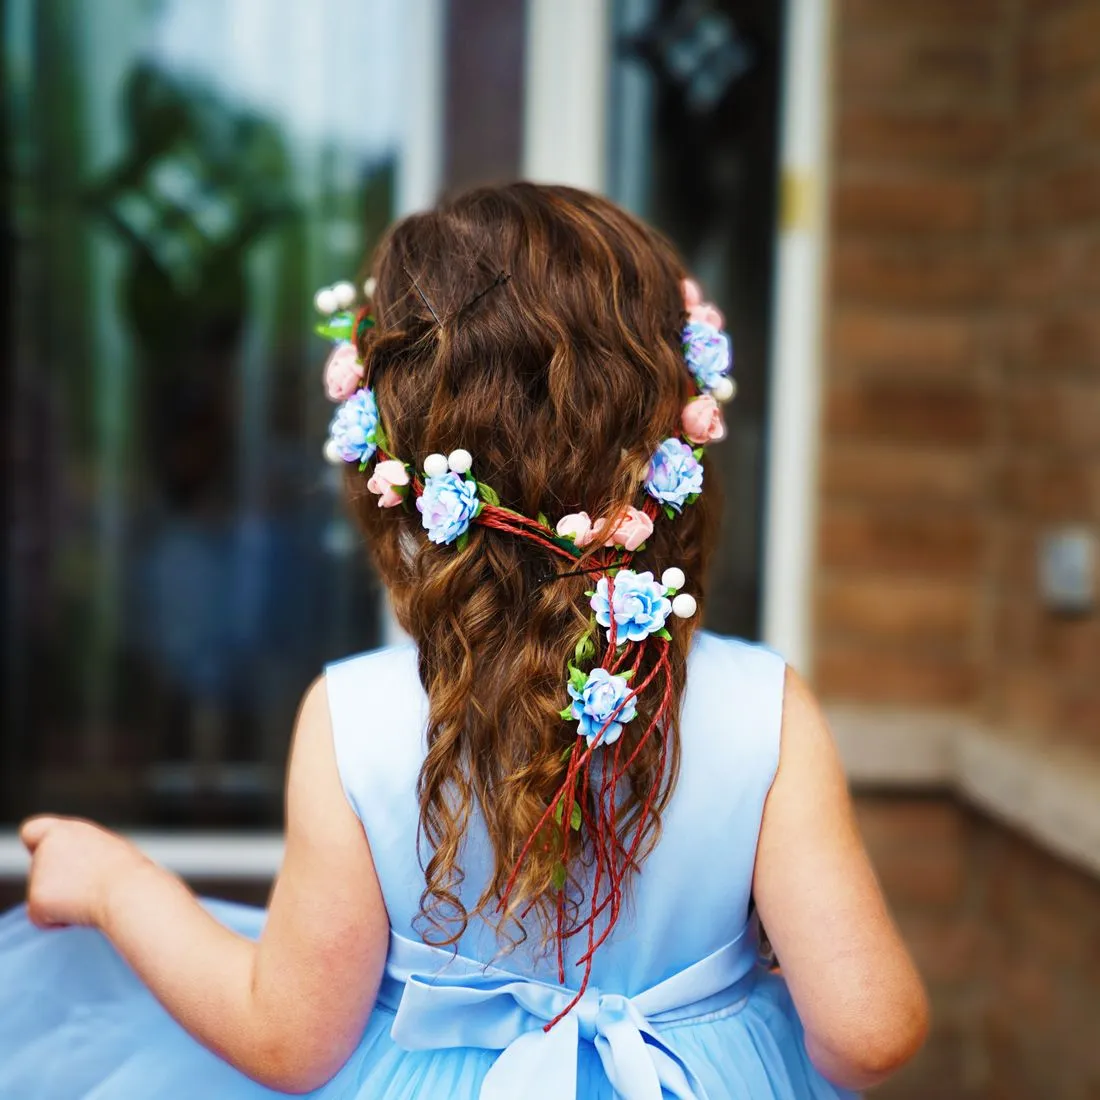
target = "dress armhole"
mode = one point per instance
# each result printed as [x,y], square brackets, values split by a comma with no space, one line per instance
[340,684]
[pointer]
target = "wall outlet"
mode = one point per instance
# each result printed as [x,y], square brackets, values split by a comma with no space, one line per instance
[1067,570]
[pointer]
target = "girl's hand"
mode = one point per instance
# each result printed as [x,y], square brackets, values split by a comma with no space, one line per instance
[74,864]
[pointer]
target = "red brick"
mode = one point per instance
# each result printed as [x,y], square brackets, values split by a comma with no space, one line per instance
[1065,338]
[1078,719]
[919,15]
[1046,489]
[1059,46]
[922,878]
[896,207]
[896,139]
[1062,196]
[911,276]
[891,474]
[849,672]
[869,339]
[1024,698]
[918,71]
[1015,624]
[895,541]
[1069,645]
[888,821]
[888,409]
[1090,110]
[1043,269]
[912,612]
[948,949]
[1063,416]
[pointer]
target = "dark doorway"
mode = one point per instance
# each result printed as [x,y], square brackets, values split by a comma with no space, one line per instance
[693,143]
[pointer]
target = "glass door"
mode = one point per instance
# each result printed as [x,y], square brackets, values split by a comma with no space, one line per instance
[181,175]
[693,148]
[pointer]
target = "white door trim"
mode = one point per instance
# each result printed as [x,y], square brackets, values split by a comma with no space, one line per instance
[223,855]
[791,486]
[565,92]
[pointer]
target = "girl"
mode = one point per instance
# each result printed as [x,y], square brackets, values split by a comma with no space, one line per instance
[526,855]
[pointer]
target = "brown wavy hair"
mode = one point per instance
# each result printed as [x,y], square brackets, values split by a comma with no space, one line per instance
[539,328]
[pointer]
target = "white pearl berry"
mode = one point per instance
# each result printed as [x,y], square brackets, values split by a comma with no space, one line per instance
[325,301]
[460,461]
[345,295]
[370,286]
[673,578]
[435,465]
[724,389]
[684,606]
[332,453]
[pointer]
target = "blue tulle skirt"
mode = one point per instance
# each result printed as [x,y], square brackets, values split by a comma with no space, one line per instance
[77,1024]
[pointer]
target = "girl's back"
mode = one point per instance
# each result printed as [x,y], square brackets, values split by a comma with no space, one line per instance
[525,855]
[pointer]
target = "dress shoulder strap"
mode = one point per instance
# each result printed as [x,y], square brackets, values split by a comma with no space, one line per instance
[379,715]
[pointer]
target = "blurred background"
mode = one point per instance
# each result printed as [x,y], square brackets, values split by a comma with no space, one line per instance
[896,203]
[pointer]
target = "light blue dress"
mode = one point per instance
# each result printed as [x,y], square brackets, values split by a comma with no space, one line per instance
[679,1003]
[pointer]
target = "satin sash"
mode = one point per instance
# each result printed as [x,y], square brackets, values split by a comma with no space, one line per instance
[443,1000]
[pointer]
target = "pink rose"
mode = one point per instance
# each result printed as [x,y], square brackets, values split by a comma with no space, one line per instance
[388,478]
[707,313]
[702,419]
[343,372]
[698,311]
[632,529]
[576,526]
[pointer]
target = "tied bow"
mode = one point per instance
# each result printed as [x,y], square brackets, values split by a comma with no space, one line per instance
[496,1010]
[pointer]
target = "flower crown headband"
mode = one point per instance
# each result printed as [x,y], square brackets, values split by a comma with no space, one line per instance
[627,632]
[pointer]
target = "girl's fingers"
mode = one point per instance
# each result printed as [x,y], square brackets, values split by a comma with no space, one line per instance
[34,829]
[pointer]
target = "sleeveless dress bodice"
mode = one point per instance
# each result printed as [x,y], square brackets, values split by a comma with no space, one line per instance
[693,896]
[679,1003]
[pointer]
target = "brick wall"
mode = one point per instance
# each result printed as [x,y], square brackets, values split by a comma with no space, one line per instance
[962,390]
[1008,940]
[1048,456]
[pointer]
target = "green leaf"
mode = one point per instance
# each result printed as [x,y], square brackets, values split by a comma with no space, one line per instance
[462,541]
[380,438]
[577,679]
[693,498]
[567,714]
[567,752]
[559,809]
[543,520]
[488,494]
[698,452]
[663,633]
[590,592]
[337,327]
[628,675]
[584,649]
[669,511]
[575,817]
[557,876]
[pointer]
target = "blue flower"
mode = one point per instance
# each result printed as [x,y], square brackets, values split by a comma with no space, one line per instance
[353,427]
[708,353]
[594,705]
[447,507]
[674,474]
[640,605]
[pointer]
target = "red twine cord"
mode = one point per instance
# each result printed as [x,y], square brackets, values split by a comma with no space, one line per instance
[613,859]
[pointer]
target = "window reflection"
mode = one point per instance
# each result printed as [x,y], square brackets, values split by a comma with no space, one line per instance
[182,174]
